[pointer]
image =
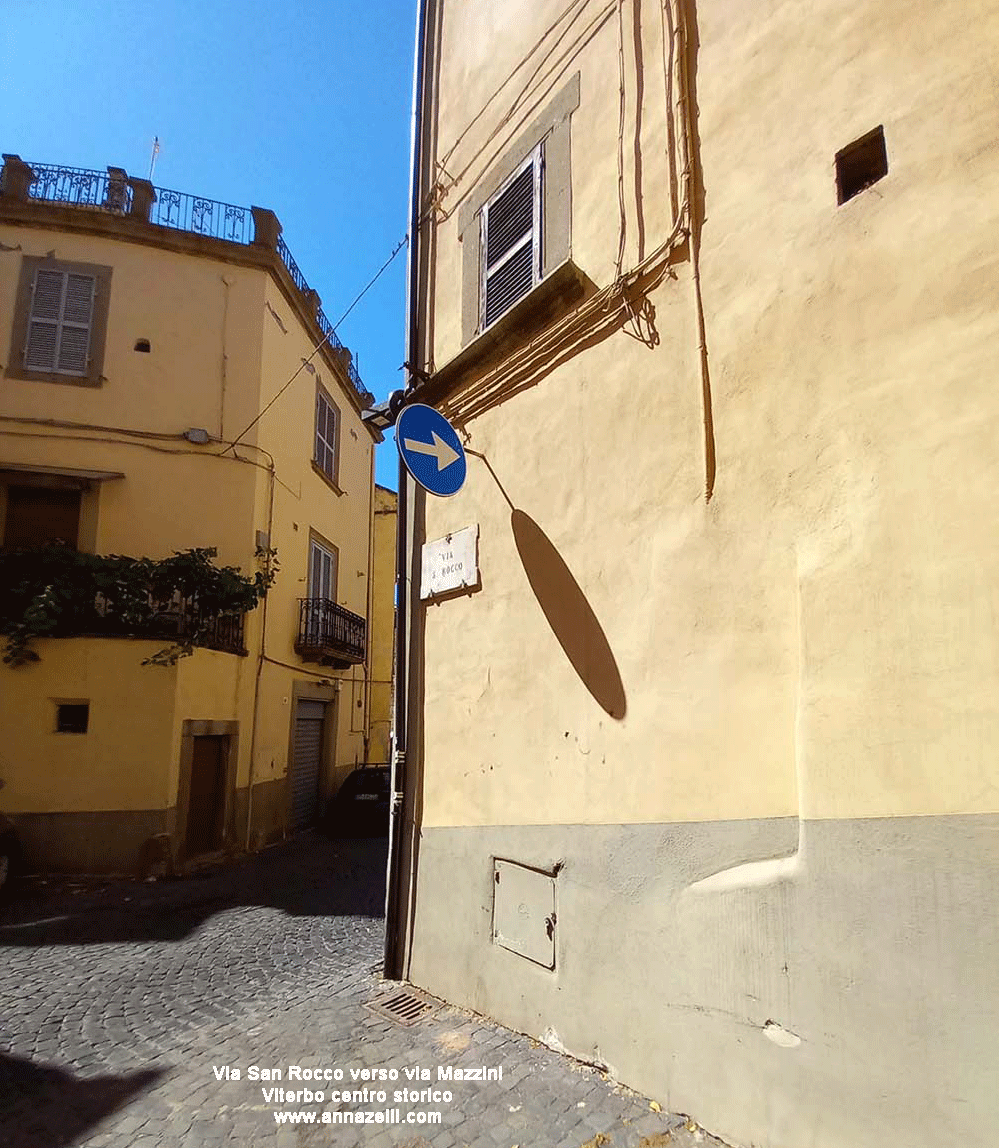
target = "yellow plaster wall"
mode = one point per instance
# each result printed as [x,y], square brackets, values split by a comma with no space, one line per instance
[201,317]
[224,339]
[121,763]
[304,501]
[818,639]
[215,686]
[382,641]
[853,384]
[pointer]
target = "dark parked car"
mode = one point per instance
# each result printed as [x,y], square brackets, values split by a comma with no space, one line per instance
[361,805]
[10,852]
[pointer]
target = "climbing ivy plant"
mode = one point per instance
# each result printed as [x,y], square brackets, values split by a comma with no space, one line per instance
[54,592]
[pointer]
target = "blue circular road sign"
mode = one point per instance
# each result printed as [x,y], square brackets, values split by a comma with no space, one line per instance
[430,448]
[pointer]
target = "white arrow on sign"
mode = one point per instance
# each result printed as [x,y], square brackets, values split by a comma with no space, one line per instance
[440,450]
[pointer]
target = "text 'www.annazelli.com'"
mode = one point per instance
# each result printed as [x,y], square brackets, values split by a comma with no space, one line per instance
[359,1116]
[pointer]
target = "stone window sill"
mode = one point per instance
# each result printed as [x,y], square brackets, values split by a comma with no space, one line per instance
[558,293]
[54,377]
[326,478]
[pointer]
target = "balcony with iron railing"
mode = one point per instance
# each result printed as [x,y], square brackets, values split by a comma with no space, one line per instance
[116,193]
[177,622]
[330,634]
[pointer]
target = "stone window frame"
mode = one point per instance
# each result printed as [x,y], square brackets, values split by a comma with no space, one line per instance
[549,130]
[30,265]
[189,730]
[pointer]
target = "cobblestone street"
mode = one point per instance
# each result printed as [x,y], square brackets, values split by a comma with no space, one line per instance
[124,1001]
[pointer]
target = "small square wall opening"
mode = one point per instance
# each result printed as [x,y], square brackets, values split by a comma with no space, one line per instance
[72,717]
[861,164]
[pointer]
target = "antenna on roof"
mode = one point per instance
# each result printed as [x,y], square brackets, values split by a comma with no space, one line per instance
[156,152]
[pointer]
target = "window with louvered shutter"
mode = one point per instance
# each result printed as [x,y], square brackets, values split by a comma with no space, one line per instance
[322,571]
[62,309]
[511,240]
[326,433]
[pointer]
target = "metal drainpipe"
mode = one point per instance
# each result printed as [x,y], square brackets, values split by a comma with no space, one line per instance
[371,598]
[272,474]
[393,903]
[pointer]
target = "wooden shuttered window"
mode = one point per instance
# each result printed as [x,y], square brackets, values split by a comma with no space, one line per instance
[326,435]
[59,322]
[511,240]
[322,571]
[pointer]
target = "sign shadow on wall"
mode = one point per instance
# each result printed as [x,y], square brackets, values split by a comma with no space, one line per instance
[565,607]
[569,614]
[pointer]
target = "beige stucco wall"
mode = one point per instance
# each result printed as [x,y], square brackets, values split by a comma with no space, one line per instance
[224,339]
[815,645]
[813,362]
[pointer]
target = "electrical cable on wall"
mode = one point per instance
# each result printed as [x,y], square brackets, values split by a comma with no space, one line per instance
[442,163]
[603,15]
[622,239]
[603,312]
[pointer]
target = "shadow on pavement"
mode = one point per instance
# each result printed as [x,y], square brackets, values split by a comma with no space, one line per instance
[45,1107]
[310,876]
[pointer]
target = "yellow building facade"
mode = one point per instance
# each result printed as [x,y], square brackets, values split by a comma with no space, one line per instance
[142,334]
[382,626]
[701,778]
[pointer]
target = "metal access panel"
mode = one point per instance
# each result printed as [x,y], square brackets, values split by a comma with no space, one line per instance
[524,918]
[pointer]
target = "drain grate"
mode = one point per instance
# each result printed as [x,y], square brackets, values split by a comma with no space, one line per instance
[402,1007]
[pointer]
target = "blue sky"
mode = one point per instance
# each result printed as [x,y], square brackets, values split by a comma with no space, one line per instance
[302,106]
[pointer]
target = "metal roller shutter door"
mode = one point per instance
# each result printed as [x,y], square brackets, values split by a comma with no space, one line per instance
[308,758]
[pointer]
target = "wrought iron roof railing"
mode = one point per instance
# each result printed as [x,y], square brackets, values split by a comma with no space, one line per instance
[293,269]
[113,191]
[80,187]
[184,212]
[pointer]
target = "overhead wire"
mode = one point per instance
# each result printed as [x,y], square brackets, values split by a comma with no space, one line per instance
[269,466]
[319,346]
[373,280]
[669,66]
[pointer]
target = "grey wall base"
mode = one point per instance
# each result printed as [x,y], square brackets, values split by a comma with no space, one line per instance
[106,841]
[117,841]
[832,984]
